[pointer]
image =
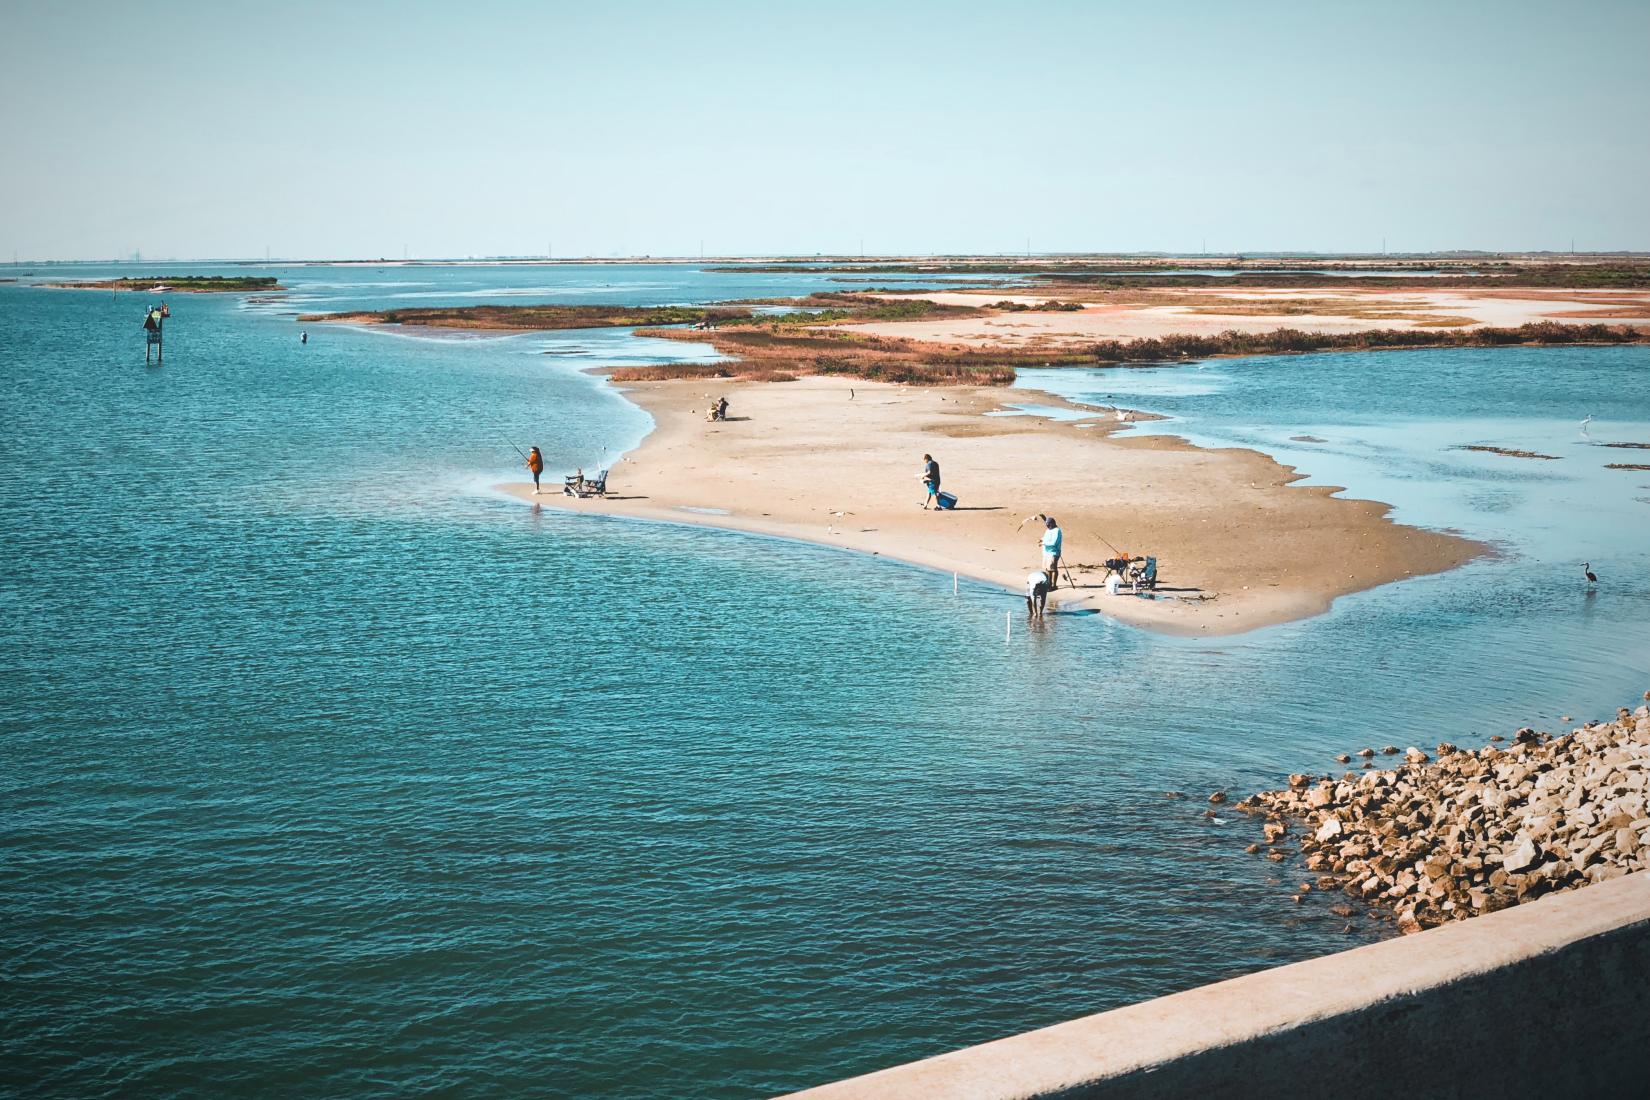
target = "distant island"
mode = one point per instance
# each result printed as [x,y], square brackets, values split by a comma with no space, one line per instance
[541,317]
[984,335]
[179,284]
[813,310]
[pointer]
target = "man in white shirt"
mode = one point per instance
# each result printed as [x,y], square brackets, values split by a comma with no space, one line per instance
[1036,593]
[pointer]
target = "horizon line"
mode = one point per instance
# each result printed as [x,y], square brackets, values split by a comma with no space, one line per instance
[1232,255]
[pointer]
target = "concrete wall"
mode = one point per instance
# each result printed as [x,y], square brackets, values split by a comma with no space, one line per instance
[1549,999]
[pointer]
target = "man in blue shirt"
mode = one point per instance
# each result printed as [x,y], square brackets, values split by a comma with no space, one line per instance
[1052,540]
[931,478]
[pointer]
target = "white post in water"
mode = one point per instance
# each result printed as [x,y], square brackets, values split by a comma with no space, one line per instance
[1008,625]
[953,582]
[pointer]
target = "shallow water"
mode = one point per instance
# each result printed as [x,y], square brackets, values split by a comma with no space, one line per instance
[328,771]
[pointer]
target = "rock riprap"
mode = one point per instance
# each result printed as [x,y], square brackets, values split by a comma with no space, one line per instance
[1436,840]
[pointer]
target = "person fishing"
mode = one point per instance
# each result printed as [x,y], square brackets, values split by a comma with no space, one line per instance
[1053,539]
[535,463]
[930,477]
[1036,593]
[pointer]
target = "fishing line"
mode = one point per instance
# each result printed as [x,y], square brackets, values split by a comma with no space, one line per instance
[512,443]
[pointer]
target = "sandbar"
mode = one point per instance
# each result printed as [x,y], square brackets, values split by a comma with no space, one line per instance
[834,461]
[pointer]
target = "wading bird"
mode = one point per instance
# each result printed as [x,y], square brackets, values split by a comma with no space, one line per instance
[1587,568]
[1584,423]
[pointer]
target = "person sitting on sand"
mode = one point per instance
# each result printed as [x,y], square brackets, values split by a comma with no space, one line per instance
[535,463]
[930,477]
[722,408]
[1036,593]
[1052,540]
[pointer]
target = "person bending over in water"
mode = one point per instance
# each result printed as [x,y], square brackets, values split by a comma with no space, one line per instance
[1036,594]
[930,477]
[535,463]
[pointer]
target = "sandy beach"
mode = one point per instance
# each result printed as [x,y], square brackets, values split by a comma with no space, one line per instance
[835,461]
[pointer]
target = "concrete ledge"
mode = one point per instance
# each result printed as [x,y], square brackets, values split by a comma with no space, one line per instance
[1550,998]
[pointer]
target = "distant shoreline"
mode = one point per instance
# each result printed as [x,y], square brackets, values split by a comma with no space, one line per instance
[1552,268]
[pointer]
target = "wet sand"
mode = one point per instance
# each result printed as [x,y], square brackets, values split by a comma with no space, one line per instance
[836,461]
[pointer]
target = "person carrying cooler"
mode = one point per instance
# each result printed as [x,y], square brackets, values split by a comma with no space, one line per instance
[535,463]
[1036,594]
[930,477]
[1052,539]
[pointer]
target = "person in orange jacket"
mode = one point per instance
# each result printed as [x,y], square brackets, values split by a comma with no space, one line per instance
[535,463]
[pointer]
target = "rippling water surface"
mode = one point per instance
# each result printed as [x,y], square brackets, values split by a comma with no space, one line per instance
[328,772]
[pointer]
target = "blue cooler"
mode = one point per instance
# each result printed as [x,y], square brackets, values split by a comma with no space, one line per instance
[946,500]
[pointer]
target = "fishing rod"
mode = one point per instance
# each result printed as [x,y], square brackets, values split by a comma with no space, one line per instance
[1107,541]
[1062,559]
[513,446]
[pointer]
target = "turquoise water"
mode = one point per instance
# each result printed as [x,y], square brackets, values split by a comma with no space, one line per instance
[327,771]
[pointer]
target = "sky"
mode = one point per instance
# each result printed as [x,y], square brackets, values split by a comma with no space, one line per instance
[377,130]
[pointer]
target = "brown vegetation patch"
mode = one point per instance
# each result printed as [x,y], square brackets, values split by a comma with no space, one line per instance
[665,372]
[179,284]
[1290,341]
[1625,466]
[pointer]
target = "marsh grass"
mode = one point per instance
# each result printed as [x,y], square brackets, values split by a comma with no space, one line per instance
[542,317]
[185,283]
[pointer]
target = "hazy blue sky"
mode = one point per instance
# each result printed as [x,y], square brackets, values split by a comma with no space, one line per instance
[355,129]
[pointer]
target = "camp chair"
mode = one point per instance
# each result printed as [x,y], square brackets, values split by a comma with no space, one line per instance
[1143,574]
[576,486]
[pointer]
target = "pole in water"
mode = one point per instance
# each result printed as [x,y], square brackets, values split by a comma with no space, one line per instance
[953,582]
[1008,625]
